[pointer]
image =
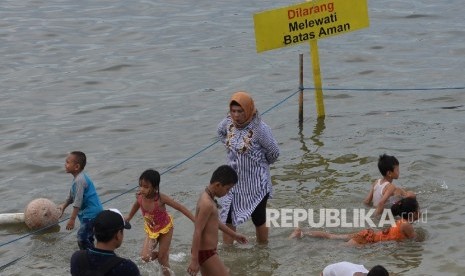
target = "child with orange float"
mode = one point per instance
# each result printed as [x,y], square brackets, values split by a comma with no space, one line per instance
[407,211]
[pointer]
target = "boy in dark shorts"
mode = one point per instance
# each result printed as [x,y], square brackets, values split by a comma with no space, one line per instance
[207,223]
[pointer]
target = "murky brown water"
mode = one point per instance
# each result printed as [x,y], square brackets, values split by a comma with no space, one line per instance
[143,84]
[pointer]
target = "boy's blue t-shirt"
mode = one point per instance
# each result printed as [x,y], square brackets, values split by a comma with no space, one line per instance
[85,197]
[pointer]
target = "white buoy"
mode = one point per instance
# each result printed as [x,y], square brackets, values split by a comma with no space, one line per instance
[11,218]
[40,213]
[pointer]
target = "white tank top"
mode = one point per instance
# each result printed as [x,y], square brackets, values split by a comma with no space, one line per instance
[378,194]
[343,269]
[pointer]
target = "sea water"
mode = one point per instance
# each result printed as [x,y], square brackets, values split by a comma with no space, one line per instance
[142,84]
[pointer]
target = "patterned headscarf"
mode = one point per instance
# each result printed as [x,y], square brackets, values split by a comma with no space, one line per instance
[246,102]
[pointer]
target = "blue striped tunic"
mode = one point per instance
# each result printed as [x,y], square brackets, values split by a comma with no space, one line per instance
[250,151]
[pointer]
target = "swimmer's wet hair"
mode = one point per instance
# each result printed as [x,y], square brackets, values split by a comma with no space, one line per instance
[378,270]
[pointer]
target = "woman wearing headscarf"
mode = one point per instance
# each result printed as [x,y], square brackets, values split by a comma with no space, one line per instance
[251,148]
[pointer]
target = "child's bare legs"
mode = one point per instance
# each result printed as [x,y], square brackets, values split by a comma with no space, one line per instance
[326,235]
[214,266]
[299,233]
[148,252]
[164,241]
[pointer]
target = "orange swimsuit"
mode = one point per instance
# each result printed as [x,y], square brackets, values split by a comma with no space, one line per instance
[394,233]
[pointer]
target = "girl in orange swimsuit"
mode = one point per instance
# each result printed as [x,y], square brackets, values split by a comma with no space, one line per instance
[407,210]
[158,224]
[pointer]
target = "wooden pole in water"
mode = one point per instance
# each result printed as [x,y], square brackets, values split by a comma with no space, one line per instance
[301,88]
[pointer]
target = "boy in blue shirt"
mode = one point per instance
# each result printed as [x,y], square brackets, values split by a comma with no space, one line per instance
[85,200]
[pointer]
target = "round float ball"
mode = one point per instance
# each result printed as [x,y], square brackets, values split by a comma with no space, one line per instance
[40,213]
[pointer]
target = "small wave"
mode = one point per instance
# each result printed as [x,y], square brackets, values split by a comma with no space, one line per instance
[178,257]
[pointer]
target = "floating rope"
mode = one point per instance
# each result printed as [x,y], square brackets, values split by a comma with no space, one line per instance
[389,89]
[216,141]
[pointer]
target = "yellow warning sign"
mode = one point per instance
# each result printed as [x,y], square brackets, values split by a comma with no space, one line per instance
[299,23]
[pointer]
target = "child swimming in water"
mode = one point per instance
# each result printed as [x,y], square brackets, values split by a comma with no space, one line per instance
[384,192]
[407,211]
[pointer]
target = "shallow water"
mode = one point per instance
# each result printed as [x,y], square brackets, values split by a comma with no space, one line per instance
[142,84]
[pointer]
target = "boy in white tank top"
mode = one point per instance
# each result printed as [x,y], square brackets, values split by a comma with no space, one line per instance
[383,192]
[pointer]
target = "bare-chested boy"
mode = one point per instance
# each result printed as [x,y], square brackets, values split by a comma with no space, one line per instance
[205,239]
